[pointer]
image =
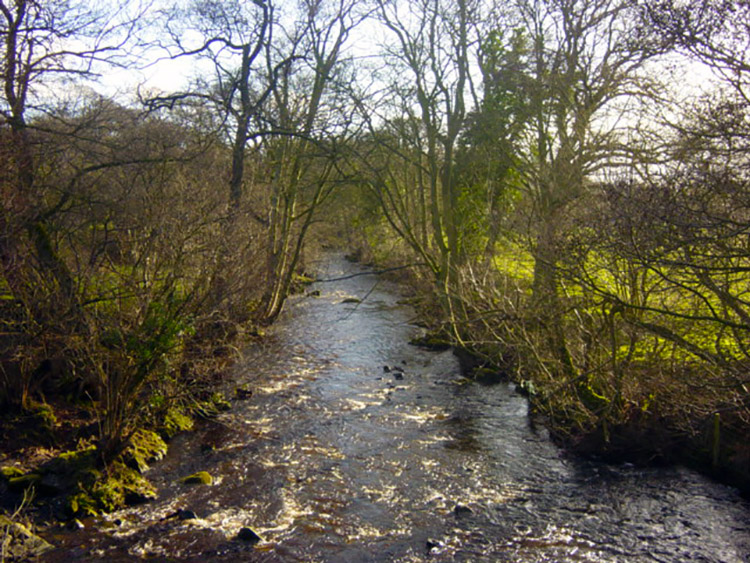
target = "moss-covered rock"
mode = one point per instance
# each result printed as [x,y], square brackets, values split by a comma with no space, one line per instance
[42,414]
[74,462]
[199,478]
[92,488]
[145,447]
[175,421]
[118,486]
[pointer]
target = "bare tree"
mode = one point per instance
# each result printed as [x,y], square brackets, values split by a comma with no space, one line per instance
[309,115]
[43,42]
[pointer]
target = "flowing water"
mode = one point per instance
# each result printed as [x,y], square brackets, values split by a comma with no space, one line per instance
[335,458]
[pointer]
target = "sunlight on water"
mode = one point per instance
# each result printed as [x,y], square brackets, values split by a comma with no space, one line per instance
[357,405]
[291,511]
[334,459]
[422,416]
[558,542]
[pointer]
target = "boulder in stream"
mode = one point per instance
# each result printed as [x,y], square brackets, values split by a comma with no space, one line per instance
[248,535]
[434,546]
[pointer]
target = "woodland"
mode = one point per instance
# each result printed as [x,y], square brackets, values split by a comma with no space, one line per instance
[563,186]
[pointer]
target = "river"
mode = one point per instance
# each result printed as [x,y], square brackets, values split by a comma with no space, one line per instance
[356,446]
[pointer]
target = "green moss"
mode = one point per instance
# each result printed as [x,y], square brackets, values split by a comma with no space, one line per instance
[9,472]
[23,482]
[145,446]
[300,282]
[74,461]
[176,421]
[431,342]
[302,279]
[590,398]
[92,489]
[199,478]
[119,486]
[42,415]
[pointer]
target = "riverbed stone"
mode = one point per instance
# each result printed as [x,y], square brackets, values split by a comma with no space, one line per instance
[184,514]
[433,545]
[248,535]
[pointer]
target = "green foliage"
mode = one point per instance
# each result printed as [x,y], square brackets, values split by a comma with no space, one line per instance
[512,259]
[158,334]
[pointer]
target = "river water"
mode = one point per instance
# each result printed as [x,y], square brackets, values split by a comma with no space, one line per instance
[335,458]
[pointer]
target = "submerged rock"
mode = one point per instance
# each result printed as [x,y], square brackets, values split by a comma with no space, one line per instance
[433,545]
[243,393]
[181,514]
[396,371]
[186,515]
